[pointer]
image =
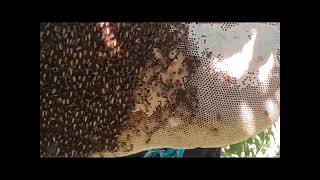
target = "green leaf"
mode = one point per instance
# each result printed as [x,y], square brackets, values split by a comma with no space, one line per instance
[250,140]
[236,148]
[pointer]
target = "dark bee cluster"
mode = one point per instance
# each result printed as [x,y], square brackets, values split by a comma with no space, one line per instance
[139,39]
[86,89]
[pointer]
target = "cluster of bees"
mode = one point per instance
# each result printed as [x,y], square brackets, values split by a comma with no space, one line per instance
[88,74]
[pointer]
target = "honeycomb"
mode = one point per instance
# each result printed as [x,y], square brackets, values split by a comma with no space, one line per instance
[115,89]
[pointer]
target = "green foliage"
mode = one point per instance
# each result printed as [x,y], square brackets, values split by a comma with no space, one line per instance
[265,144]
